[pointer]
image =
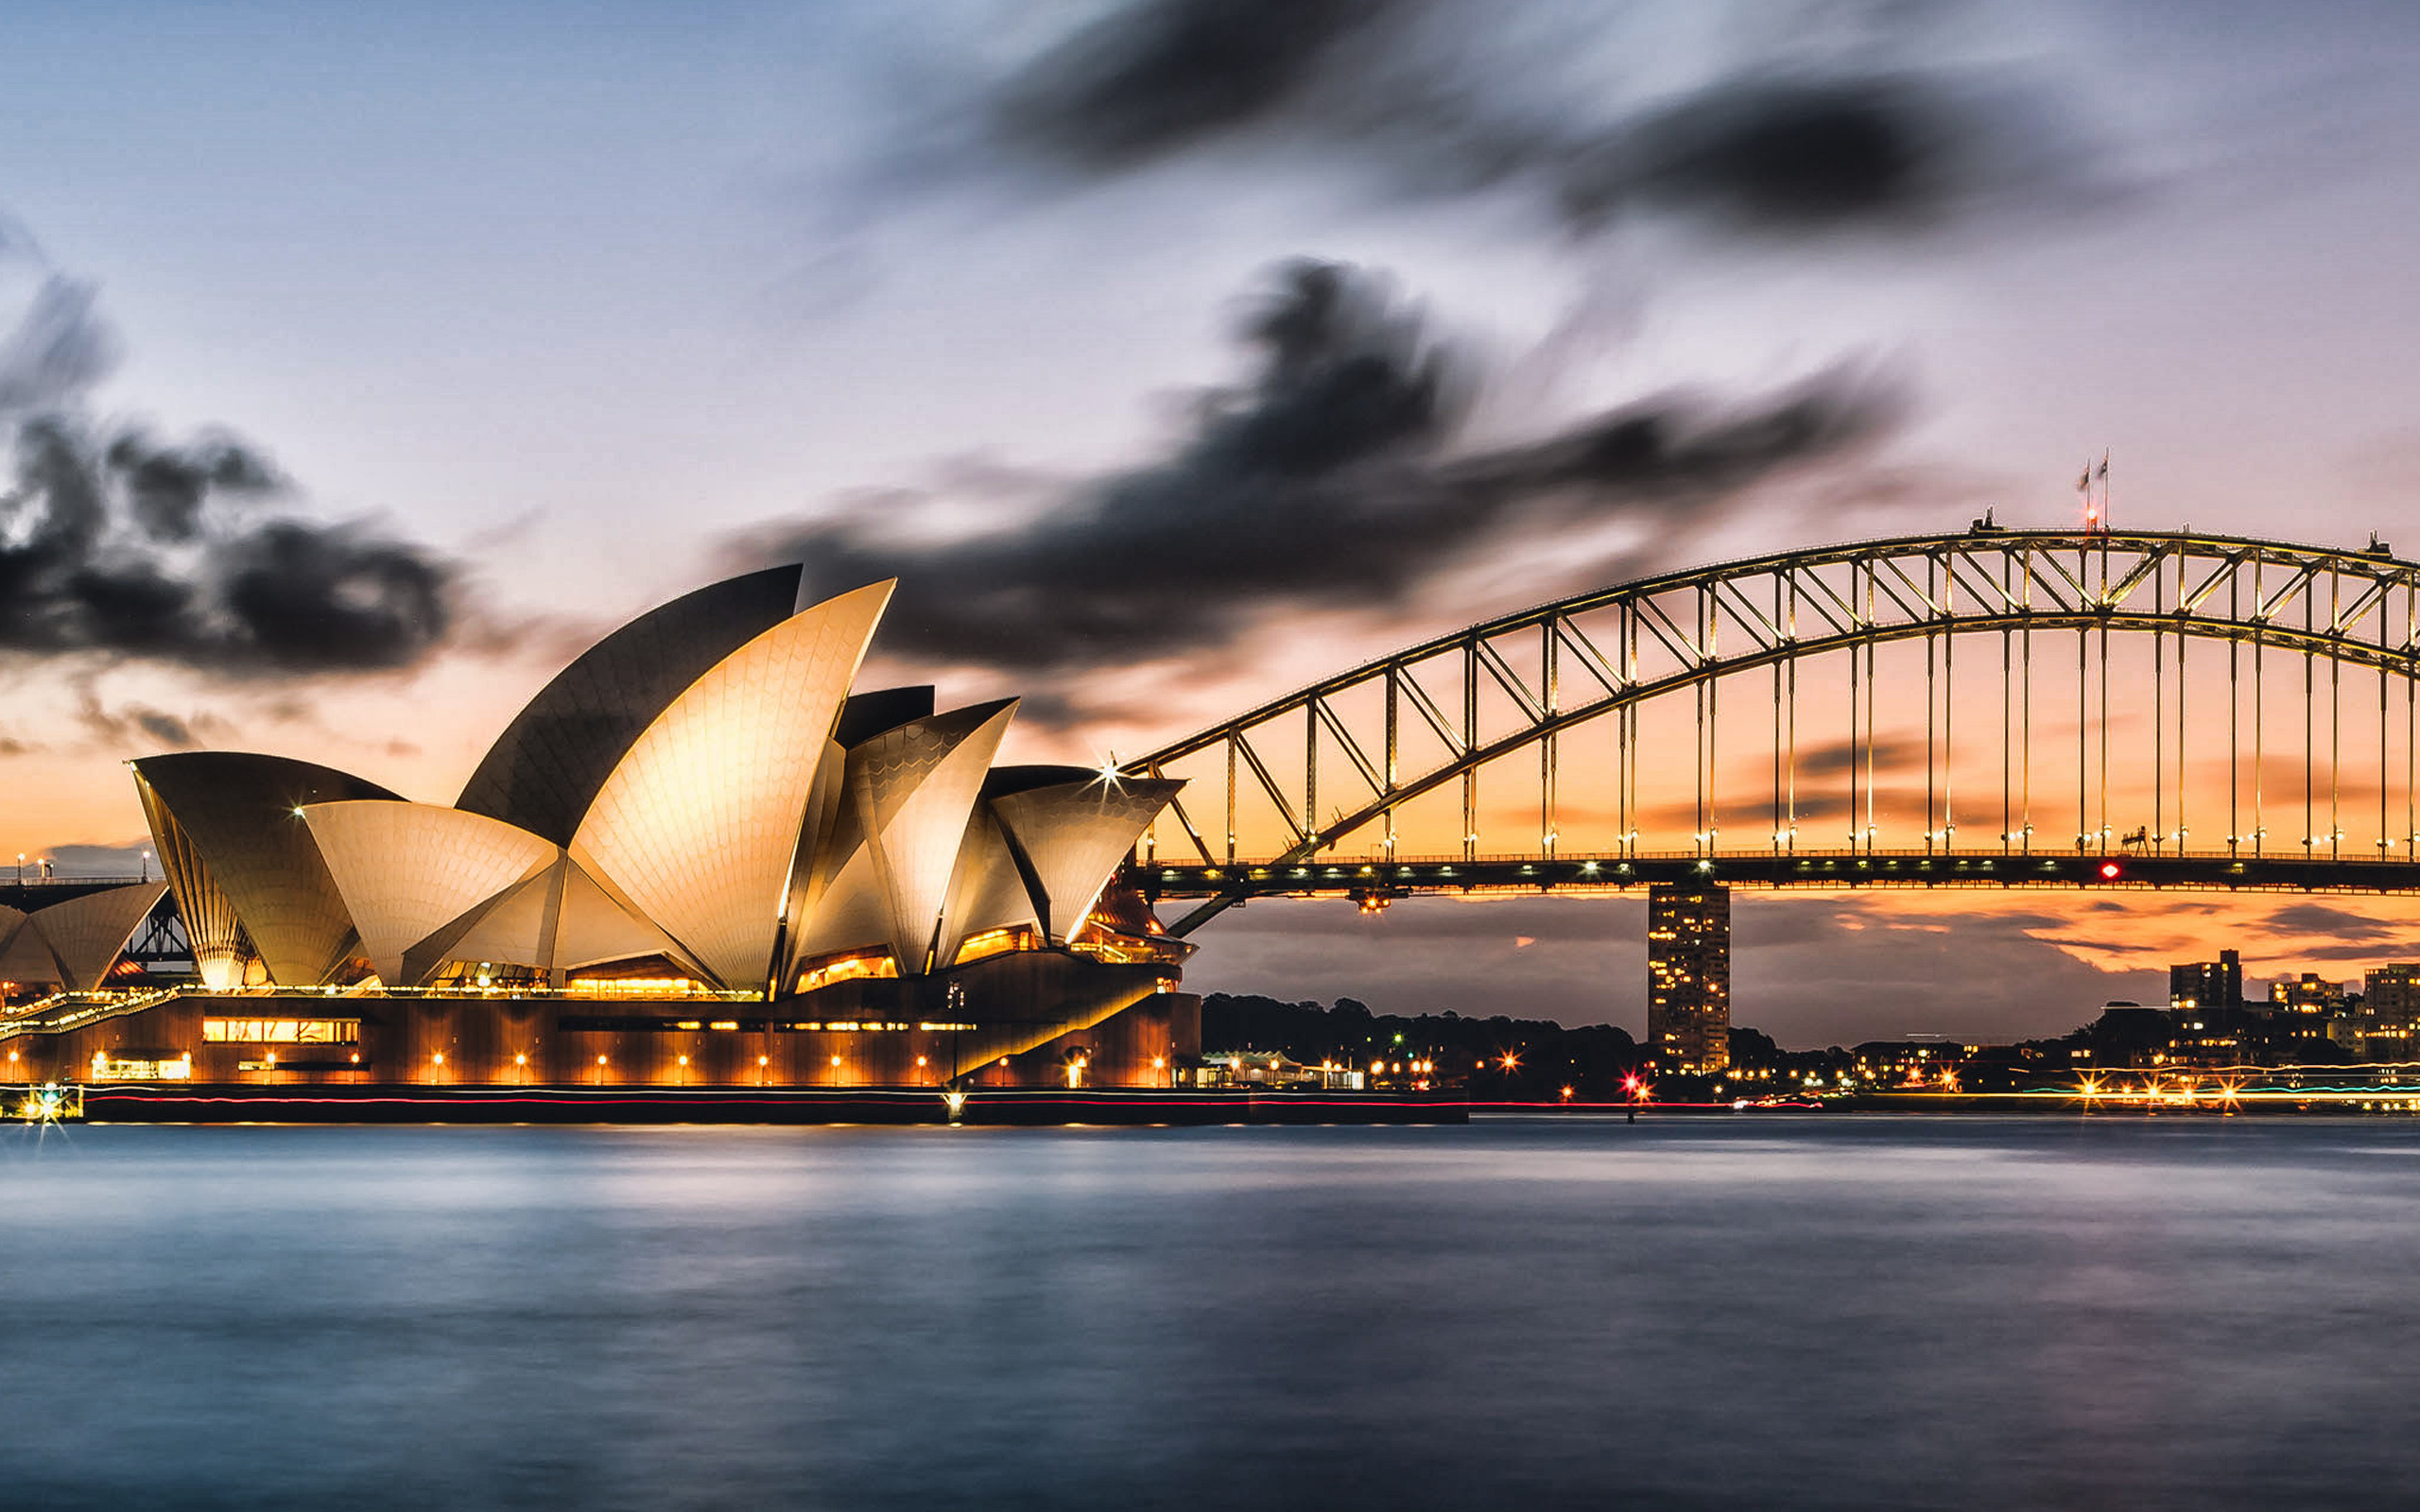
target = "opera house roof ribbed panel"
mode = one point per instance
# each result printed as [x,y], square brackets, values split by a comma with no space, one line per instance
[513,927]
[555,920]
[593,927]
[89,933]
[213,930]
[409,870]
[849,912]
[240,814]
[697,827]
[24,955]
[987,891]
[1072,834]
[868,714]
[912,788]
[546,767]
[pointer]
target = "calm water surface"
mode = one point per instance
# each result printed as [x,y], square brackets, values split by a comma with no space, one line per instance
[1735,1312]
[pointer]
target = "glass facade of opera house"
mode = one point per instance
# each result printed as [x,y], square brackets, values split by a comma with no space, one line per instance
[700,856]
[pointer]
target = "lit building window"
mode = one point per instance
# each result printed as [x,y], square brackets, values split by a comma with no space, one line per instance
[106,1067]
[631,987]
[281,1031]
[849,968]
[996,942]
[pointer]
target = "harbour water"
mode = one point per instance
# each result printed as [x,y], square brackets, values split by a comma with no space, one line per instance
[1750,1311]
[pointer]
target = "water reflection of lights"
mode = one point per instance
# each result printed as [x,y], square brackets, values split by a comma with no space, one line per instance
[2233,1090]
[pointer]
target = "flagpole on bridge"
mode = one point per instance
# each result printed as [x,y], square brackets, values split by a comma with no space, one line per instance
[2096,511]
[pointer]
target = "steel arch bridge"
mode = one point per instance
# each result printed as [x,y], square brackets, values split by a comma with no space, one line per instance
[2129,710]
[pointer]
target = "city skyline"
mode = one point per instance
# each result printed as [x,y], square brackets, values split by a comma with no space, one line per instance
[628,301]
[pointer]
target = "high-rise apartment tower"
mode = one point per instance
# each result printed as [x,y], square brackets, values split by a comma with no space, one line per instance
[1688,979]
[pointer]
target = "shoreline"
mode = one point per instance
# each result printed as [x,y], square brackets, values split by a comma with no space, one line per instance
[153,1103]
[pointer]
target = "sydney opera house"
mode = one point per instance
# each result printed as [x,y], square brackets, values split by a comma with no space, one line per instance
[699,857]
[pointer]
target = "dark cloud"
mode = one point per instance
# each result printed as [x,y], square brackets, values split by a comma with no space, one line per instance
[141,725]
[1420,97]
[2093,945]
[163,727]
[2318,919]
[2033,923]
[1841,757]
[1329,481]
[2388,945]
[124,859]
[165,488]
[1154,79]
[304,596]
[1786,155]
[116,545]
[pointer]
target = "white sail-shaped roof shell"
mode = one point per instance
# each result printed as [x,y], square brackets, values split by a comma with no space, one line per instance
[913,791]
[229,830]
[212,931]
[592,928]
[557,920]
[989,892]
[697,827]
[26,957]
[516,927]
[883,875]
[851,912]
[409,870]
[89,933]
[72,944]
[428,886]
[1072,835]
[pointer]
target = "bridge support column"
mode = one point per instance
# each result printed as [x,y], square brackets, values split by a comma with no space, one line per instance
[1688,979]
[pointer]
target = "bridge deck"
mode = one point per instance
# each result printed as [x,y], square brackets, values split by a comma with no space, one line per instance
[36,892]
[1807,870]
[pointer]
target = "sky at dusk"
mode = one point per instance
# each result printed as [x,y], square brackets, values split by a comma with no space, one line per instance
[358,368]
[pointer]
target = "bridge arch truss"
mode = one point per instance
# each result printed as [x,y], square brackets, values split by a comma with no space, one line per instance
[2296,628]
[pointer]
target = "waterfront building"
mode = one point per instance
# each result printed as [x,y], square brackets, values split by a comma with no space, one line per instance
[700,855]
[2392,990]
[2213,1038]
[2212,985]
[1891,1065]
[1688,979]
[2301,1022]
[2213,1024]
[1275,1069]
[2306,994]
[2391,1012]
[2128,1033]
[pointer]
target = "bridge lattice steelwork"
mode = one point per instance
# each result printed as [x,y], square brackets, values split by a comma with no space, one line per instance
[1855,715]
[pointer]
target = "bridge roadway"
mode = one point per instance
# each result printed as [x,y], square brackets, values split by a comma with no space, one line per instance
[2115,871]
[36,892]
